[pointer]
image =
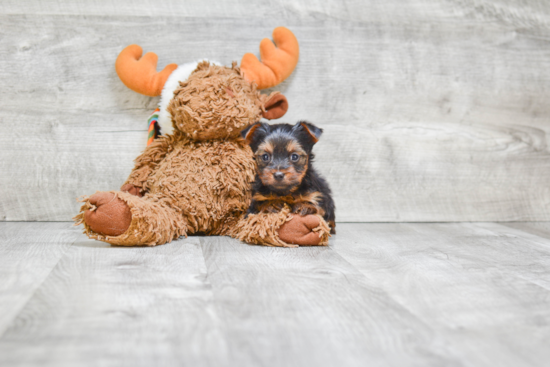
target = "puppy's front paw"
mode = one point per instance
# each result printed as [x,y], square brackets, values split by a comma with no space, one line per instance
[304,209]
[131,189]
[271,207]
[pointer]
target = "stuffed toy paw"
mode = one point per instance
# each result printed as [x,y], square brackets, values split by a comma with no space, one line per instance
[303,231]
[107,214]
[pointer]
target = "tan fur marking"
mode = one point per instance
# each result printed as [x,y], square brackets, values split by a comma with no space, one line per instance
[292,177]
[265,147]
[250,133]
[294,147]
[308,203]
[306,209]
[332,226]
[312,198]
[295,177]
[313,137]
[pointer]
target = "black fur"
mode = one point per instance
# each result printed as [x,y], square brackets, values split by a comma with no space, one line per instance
[279,135]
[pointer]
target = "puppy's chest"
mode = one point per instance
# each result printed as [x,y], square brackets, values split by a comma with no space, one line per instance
[303,204]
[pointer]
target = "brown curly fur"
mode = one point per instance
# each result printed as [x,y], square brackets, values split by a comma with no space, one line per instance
[198,180]
[215,102]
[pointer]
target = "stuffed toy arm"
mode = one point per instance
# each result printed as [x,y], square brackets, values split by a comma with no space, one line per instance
[282,229]
[145,165]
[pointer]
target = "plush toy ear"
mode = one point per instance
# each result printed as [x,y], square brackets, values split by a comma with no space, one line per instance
[313,131]
[275,107]
[248,133]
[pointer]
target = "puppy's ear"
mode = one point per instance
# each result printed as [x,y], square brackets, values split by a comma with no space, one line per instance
[248,133]
[313,131]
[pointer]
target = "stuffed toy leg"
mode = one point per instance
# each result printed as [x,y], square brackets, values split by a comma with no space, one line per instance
[282,229]
[123,219]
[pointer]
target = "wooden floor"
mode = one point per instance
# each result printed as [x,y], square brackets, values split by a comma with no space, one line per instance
[455,294]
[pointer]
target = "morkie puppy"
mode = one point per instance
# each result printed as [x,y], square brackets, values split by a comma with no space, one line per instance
[284,172]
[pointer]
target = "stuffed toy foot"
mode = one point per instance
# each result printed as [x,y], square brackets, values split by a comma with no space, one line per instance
[282,229]
[302,230]
[108,215]
[123,219]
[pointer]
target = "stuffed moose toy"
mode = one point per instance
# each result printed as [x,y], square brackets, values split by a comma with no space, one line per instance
[196,177]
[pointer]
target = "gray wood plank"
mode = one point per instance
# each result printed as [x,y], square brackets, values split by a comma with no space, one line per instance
[28,253]
[391,10]
[116,306]
[309,307]
[484,288]
[62,160]
[530,14]
[433,111]
[541,229]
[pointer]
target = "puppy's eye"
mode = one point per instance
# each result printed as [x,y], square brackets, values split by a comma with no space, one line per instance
[294,157]
[265,157]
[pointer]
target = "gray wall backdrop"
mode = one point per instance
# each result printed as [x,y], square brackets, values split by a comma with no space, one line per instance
[433,110]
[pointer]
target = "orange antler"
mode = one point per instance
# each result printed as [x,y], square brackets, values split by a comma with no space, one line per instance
[140,75]
[277,62]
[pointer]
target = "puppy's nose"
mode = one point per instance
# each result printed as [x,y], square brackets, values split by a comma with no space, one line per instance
[278,176]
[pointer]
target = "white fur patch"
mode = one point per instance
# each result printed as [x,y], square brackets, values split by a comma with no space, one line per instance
[173,82]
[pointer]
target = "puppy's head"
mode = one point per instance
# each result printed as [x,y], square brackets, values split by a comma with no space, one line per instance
[282,152]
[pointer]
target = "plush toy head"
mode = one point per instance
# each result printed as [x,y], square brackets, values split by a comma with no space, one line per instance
[207,101]
[217,102]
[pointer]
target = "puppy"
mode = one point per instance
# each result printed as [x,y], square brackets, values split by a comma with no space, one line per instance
[284,171]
